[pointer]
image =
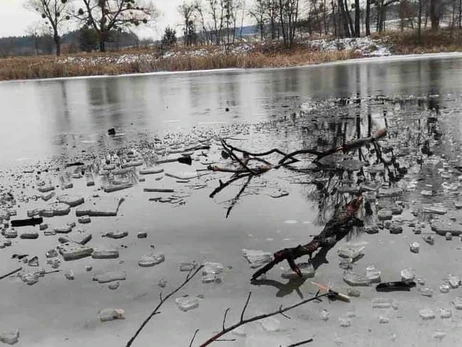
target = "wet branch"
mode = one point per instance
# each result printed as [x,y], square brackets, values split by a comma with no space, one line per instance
[243,321]
[190,276]
[300,343]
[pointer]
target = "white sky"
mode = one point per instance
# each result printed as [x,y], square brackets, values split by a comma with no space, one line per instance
[15,19]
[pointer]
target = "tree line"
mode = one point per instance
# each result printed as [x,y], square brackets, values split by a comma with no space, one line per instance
[221,22]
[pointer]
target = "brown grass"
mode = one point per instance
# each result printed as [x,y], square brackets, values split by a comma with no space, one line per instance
[268,55]
[445,40]
[98,64]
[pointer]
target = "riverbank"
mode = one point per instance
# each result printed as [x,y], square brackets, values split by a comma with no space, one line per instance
[211,57]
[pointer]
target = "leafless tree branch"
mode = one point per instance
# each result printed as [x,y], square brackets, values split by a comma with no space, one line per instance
[190,276]
[259,317]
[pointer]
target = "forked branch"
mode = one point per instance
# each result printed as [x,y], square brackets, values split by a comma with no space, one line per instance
[189,277]
[243,321]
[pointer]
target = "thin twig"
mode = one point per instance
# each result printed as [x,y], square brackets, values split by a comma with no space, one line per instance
[224,317]
[245,306]
[194,336]
[10,273]
[261,316]
[300,343]
[190,275]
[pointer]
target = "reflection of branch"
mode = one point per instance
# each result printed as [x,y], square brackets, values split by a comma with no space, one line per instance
[243,321]
[227,183]
[235,200]
[190,275]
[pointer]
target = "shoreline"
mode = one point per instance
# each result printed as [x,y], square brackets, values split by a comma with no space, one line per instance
[368,59]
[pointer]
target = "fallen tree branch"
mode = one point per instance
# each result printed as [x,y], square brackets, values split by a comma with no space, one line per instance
[349,146]
[336,228]
[243,321]
[190,275]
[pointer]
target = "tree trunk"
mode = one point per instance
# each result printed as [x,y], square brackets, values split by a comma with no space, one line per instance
[434,14]
[334,19]
[460,14]
[368,17]
[57,40]
[102,44]
[350,21]
[357,19]
[419,22]
[343,18]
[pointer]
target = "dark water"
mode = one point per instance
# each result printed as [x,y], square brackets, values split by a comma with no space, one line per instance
[40,117]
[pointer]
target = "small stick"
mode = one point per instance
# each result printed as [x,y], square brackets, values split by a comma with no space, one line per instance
[10,273]
[159,190]
[300,343]
[194,336]
[190,275]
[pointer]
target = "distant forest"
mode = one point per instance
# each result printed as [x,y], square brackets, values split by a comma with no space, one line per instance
[83,40]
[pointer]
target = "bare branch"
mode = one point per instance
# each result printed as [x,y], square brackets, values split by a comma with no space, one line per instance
[191,275]
[259,317]
[10,273]
[194,336]
[224,317]
[300,343]
[245,306]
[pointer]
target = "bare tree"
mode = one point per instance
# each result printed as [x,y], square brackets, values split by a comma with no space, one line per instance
[106,16]
[187,10]
[357,19]
[55,14]
[258,12]
[368,17]
[436,12]
[288,17]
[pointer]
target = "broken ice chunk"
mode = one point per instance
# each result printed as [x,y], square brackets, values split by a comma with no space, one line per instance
[109,314]
[381,303]
[350,252]
[186,304]
[458,303]
[445,314]
[415,247]
[373,274]
[257,258]
[426,314]
[354,279]
[110,276]
[151,259]
[10,337]
[407,274]
[212,272]
[454,281]
[306,269]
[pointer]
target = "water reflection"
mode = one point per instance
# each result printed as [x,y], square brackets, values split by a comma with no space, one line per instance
[141,104]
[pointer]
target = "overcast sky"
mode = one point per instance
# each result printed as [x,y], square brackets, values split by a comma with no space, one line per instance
[14,19]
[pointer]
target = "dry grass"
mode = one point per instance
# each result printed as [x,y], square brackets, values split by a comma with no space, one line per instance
[141,62]
[445,40]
